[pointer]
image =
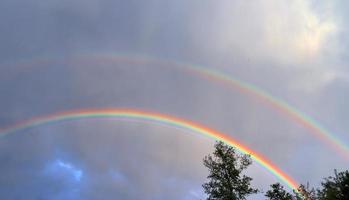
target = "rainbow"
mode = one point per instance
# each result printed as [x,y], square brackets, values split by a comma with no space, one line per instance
[279,104]
[158,118]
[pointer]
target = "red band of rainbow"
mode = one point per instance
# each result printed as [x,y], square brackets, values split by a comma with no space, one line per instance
[154,117]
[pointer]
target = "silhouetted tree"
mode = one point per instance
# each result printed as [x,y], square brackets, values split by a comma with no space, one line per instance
[226,181]
[277,192]
[335,187]
[306,192]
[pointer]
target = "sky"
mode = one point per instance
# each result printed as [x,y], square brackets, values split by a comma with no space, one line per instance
[61,55]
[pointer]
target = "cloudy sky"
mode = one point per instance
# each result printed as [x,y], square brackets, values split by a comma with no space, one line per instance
[59,55]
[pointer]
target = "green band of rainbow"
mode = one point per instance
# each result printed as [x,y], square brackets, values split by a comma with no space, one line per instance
[278,104]
[293,113]
[155,118]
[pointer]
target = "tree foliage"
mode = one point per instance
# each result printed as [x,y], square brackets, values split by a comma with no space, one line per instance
[306,192]
[335,187]
[332,188]
[226,181]
[278,192]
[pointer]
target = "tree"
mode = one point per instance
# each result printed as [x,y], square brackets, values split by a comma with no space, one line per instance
[226,181]
[335,188]
[303,192]
[306,192]
[278,192]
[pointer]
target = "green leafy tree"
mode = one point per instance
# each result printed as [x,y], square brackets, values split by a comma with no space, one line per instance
[335,187]
[226,181]
[278,192]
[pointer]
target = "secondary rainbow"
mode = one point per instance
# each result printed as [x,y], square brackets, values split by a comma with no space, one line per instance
[277,103]
[154,117]
[293,113]
[247,88]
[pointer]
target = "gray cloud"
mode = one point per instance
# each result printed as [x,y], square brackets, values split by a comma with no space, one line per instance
[295,51]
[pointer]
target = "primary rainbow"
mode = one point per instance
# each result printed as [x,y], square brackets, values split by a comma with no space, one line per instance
[154,117]
[283,107]
[277,103]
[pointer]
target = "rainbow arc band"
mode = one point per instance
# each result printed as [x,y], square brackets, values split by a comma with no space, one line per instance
[318,130]
[280,105]
[153,117]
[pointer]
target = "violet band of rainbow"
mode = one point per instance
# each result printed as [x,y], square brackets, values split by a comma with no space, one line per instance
[296,115]
[278,104]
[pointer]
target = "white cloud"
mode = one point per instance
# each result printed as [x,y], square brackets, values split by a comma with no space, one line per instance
[292,35]
[285,32]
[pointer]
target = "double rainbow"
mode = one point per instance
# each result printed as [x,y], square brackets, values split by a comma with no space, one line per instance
[278,104]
